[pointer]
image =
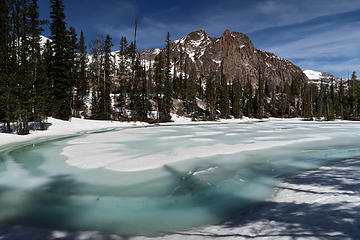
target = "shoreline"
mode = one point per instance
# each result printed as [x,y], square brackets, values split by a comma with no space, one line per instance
[59,128]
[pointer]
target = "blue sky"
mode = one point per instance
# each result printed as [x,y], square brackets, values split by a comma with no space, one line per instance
[322,35]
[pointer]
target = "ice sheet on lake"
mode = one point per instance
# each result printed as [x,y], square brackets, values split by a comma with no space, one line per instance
[146,150]
[145,181]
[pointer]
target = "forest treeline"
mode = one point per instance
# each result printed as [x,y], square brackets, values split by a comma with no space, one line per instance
[65,78]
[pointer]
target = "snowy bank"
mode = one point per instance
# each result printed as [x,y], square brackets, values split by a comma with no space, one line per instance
[60,128]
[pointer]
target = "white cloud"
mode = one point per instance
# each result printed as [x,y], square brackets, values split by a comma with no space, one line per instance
[319,41]
[334,50]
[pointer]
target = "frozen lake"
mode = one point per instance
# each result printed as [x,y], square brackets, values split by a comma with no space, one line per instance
[153,180]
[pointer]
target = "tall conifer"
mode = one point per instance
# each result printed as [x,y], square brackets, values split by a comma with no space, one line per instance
[59,70]
[167,99]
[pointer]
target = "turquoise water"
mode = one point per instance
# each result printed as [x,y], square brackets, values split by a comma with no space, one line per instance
[207,177]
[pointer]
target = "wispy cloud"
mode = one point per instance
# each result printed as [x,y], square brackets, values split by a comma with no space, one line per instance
[321,34]
[326,44]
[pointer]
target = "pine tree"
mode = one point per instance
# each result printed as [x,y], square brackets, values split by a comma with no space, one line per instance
[210,93]
[224,95]
[47,58]
[341,99]
[95,76]
[159,88]
[175,81]
[39,77]
[353,98]
[145,104]
[330,114]
[260,95]
[141,103]
[82,87]
[21,74]
[73,67]
[284,104]
[59,70]
[124,76]
[105,84]
[167,100]
[190,103]
[4,61]
[308,102]
[248,98]
[236,98]
[182,76]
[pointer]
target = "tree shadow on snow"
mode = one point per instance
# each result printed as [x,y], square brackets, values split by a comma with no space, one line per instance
[292,220]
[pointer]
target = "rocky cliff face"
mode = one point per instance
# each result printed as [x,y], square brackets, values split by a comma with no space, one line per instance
[235,52]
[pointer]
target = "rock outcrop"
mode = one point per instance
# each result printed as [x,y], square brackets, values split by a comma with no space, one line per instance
[233,51]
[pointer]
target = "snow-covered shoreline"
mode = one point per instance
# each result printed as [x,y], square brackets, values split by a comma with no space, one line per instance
[60,128]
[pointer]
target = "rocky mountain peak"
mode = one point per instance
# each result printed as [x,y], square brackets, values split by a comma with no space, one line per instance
[197,35]
[241,60]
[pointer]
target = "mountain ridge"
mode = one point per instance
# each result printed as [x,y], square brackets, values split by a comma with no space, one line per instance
[234,52]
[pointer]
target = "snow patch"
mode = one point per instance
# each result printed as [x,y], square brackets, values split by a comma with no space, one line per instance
[313,75]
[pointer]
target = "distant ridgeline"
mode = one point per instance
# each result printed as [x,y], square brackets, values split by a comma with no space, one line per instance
[196,76]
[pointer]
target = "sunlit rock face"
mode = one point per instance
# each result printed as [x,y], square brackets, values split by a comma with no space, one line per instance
[149,181]
[233,52]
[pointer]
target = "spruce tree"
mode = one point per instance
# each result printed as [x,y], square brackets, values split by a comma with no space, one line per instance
[159,86]
[167,100]
[59,70]
[210,93]
[95,76]
[190,103]
[260,96]
[236,98]
[39,76]
[141,103]
[123,76]
[105,83]
[73,67]
[224,95]
[21,74]
[82,86]
[4,61]
[307,112]
[248,98]
[353,98]
[47,58]
[341,99]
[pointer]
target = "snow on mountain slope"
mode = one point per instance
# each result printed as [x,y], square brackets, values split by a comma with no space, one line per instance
[317,78]
[313,75]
